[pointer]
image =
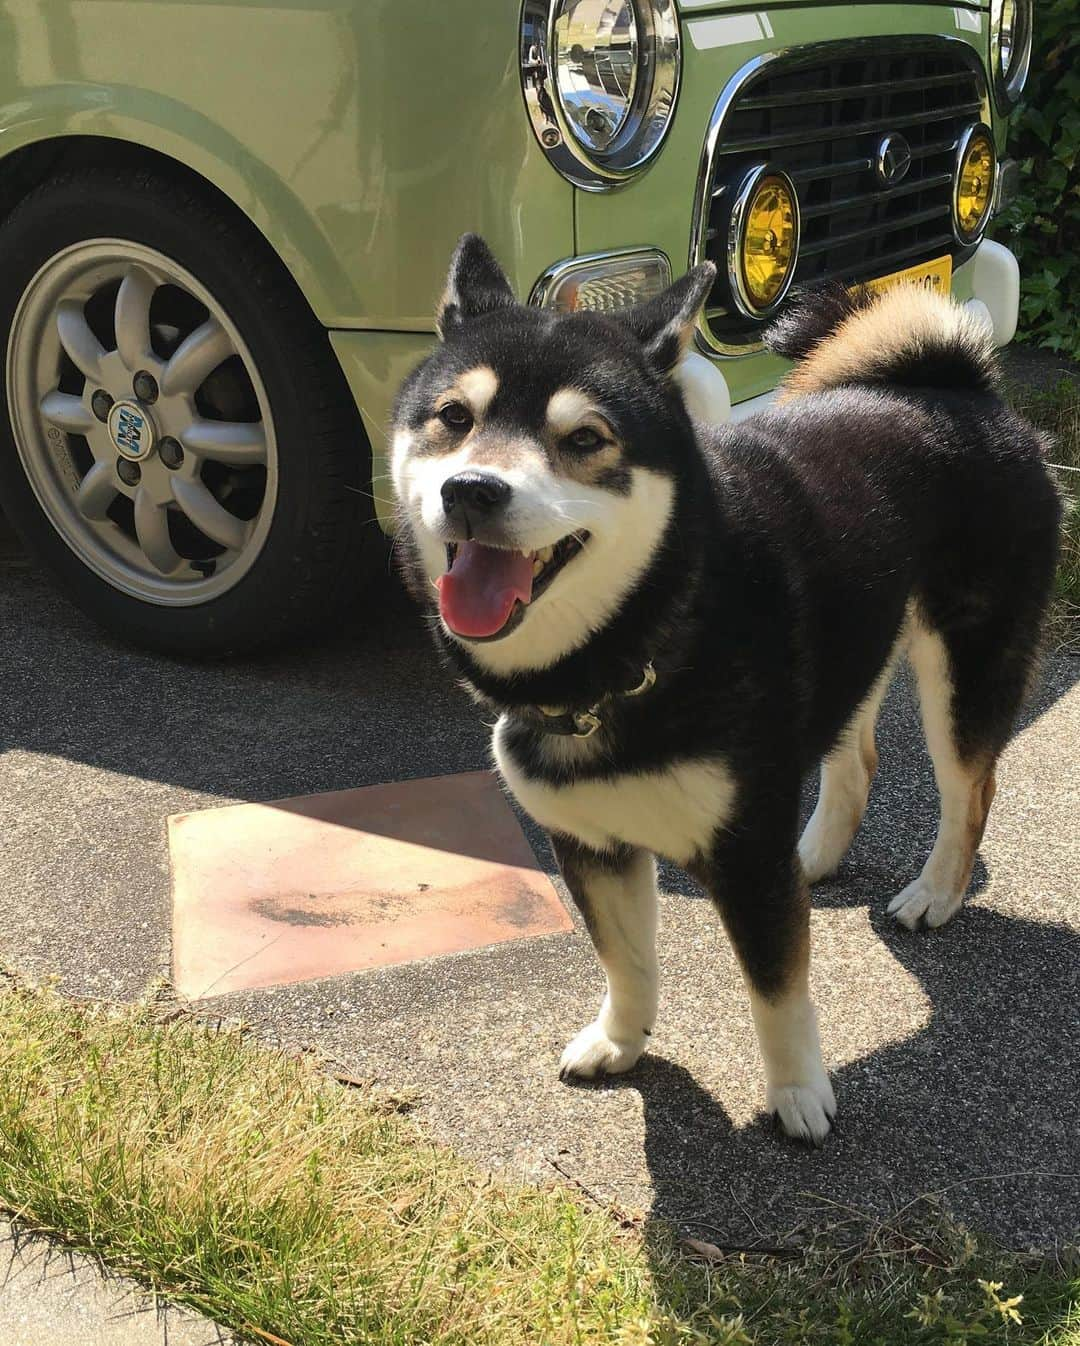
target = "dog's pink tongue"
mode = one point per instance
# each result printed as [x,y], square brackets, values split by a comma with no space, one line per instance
[477,594]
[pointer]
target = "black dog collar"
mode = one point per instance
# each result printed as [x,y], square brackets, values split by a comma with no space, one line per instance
[580,723]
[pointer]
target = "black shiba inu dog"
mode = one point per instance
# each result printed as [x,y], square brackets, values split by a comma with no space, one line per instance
[675,622]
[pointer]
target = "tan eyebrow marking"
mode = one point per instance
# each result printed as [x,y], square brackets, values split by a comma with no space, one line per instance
[476,388]
[567,409]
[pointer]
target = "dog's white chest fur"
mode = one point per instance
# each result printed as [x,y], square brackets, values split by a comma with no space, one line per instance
[673,812]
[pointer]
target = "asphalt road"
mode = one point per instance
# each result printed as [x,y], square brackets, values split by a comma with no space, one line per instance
[955,1055]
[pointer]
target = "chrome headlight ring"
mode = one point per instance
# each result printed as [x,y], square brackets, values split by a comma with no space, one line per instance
[1011,26]
[600,80]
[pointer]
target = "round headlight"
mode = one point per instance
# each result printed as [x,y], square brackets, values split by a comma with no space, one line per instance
[763,241]
[596,68]
[1010,48]
[600,79]
[976,166]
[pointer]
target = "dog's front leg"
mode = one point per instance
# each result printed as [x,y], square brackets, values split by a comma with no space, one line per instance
[755,880]
[615,892]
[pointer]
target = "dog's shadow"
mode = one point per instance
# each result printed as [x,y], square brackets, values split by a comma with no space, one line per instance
[976,1103]
[979,1106]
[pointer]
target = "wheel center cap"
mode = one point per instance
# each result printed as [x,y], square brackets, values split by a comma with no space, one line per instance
[131,431]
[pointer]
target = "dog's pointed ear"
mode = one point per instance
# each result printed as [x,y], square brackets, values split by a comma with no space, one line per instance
[665,325]
[476,284]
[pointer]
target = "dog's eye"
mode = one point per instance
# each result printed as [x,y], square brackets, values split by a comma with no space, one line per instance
[455,416]
[584,438]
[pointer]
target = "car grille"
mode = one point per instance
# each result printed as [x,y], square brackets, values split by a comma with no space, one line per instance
[820,115]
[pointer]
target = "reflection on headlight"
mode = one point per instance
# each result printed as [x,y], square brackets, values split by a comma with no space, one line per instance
[596,64]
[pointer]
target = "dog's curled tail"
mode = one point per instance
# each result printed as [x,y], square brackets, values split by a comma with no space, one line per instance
[905,336]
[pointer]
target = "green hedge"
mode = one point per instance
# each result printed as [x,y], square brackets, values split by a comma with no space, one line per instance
[1044,224]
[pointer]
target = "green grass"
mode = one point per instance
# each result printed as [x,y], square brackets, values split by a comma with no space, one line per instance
[1057,410]
[292,1209]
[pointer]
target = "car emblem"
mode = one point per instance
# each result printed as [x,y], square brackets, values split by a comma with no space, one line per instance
[130,431]
[893,159]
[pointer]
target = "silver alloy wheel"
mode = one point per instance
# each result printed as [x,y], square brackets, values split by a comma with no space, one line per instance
[141,422]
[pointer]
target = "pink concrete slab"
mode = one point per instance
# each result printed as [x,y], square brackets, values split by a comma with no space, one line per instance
[313,887]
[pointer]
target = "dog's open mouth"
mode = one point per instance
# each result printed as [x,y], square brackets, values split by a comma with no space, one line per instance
[485,590]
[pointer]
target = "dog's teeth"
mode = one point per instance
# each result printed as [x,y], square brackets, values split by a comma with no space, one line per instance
[527,554]
[538,565]
[545,554]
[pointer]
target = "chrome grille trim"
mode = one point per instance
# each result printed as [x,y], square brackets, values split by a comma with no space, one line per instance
[841,208]
[741,145]
[849,91]
[890,194]
[830,170]
[854,235]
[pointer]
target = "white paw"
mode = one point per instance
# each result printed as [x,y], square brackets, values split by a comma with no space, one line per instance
[924,901]
[593,1052]
[819,854]
[806,1111]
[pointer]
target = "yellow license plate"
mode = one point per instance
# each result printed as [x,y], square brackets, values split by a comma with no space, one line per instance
[935,275]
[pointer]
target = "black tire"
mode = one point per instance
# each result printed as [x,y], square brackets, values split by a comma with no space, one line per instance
[310,563]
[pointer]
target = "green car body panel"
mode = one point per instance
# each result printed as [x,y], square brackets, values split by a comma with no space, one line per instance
[363,137]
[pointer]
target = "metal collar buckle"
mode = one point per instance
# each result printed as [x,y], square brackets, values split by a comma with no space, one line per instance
[587,722]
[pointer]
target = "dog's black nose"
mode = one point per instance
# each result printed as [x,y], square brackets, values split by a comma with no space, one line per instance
[475,494]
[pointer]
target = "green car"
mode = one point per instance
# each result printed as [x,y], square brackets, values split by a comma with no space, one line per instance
[225,225]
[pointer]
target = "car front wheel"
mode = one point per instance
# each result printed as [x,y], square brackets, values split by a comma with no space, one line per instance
[181,448]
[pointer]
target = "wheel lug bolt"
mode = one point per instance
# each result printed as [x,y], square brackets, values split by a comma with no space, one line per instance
[171,452]
[101,404]
[129,473]
[145,385]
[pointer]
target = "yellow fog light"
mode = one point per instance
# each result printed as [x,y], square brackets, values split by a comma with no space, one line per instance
[763,241]
[976,168]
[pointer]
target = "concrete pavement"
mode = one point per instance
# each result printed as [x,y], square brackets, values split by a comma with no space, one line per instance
[52,1297]
[955,1054]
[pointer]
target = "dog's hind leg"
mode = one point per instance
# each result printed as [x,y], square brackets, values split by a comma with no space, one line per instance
[754,877]
[975,634]
[846,776]
[615,892]
[967,707]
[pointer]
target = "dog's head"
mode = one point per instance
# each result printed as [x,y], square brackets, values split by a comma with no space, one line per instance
[536,459]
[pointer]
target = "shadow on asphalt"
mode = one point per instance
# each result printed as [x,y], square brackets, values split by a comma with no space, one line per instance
[367,705]
[984,1093]
[988,1086]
